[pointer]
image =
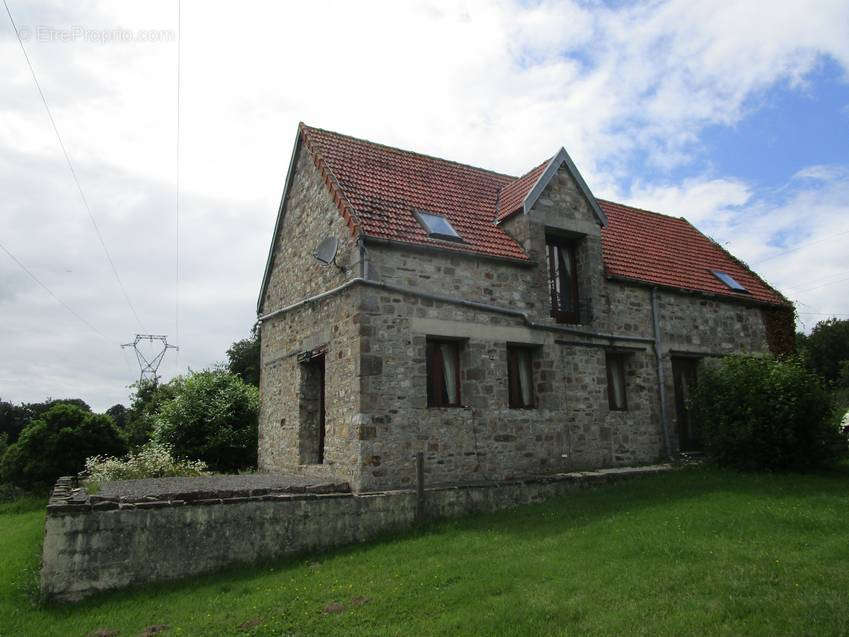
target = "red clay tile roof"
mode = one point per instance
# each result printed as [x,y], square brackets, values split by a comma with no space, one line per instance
[378,188]
[648,246]
[513,195]
[384,186]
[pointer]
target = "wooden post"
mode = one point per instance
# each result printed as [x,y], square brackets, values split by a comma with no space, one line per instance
[420,512]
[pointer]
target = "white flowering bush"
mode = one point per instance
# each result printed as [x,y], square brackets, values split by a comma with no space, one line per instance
[153,460]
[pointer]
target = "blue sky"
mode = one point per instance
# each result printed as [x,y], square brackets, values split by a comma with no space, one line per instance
[786,128]
[731,116]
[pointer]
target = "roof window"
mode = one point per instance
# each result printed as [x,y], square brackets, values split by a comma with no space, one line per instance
[437,226]
[729,280]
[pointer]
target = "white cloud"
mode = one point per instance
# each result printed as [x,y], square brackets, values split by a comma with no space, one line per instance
[498,84]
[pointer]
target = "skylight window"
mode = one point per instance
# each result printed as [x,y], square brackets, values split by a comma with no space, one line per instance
[437,226]
[729,280]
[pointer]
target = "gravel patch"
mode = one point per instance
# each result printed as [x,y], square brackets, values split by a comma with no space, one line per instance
[219,486]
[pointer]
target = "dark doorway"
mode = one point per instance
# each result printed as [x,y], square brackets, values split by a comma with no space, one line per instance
[312,411]
[684,370]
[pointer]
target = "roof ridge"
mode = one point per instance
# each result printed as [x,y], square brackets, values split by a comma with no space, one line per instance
[407,152]
[635,208]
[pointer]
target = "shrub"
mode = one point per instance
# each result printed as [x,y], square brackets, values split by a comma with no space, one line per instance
[140,418]
[58,444]
[212,417]
[764,413]
[153,460]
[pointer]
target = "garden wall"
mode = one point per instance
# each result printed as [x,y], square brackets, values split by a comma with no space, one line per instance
[93,544]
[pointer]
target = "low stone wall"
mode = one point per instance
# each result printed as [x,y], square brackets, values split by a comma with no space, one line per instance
[92,544]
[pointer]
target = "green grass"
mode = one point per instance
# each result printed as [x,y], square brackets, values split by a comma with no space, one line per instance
[697,551]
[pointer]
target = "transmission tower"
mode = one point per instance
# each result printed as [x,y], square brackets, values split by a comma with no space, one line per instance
[148,366]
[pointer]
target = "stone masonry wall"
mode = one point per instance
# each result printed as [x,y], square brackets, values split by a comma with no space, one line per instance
[284,420]
[571,427]
[95,544]
[310,215]
[698,325]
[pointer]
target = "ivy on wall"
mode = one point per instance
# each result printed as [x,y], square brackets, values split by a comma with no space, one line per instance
[780,325]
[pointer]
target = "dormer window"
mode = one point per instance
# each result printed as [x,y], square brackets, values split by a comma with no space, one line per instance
[563,278]
[730,281]
[437,226]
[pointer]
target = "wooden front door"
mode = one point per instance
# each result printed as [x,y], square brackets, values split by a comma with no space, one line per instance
[684,378]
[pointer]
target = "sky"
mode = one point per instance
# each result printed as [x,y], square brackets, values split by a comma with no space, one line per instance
[730,115]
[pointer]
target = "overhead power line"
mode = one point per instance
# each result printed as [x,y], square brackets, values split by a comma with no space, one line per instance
[821,283]
[799,247]
[821,314]
[177,201]
[51,293]
[71,168]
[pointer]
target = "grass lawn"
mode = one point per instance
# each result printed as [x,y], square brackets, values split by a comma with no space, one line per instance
[697,551]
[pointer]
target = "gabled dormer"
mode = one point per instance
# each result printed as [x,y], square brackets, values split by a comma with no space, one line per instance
[552,213]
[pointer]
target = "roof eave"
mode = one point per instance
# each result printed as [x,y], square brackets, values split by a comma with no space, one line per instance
[453,251]
[745,299]
[562,157]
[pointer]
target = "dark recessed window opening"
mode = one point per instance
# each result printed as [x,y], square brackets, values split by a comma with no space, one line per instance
[729,280]
[562,279]
[437,226]
[616,395]
[443,373]
[311,408]
[520,377]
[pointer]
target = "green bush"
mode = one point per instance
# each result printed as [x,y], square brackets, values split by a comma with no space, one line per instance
[140,418]
[153,460]
[764,413]
[211,417]
[57,444]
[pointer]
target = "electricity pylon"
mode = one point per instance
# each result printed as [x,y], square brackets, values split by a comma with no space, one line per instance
[147,366]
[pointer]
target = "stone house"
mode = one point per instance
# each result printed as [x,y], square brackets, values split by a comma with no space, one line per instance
[505,327]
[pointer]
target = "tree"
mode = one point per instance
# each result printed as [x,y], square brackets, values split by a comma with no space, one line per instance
[145,403]
[58,444]
[243,358]
[211,417]
[118,413]
[765,413]
[13,418]
[826,349]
